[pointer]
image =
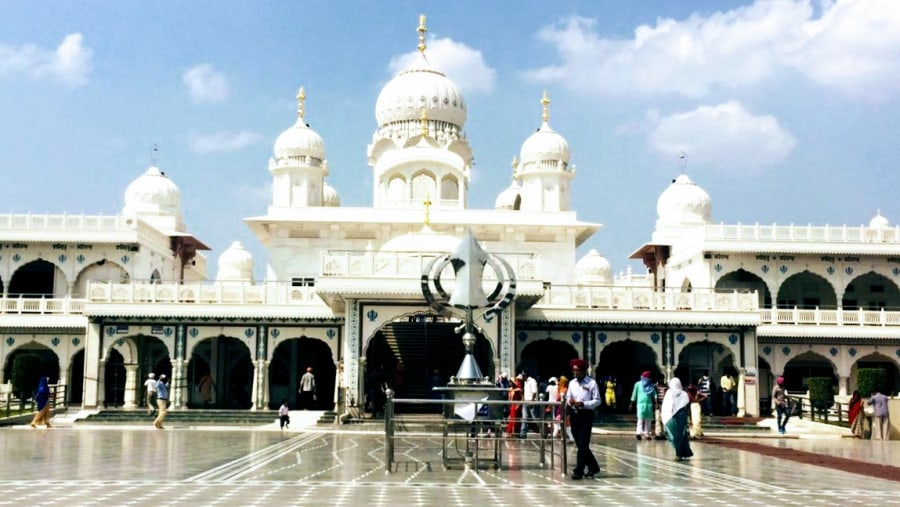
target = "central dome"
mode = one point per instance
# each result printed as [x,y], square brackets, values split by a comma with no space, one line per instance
[419,88]
[683,202]
[152,192]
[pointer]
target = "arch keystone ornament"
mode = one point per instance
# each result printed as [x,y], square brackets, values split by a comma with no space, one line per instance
[468,262]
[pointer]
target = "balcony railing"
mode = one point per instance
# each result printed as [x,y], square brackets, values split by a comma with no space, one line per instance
[353,264]
[838,317]
[802,233]
[48,222]
[231,293]
[41,306]
[645,298]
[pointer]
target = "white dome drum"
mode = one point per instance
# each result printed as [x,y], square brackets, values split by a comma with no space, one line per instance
[299,144]
[152,192]
[236,263]
[593,269]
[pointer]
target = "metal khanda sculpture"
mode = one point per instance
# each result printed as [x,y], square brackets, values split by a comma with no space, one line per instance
[469,261]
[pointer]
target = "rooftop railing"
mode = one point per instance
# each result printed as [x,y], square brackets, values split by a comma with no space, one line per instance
[48,222]
[363,264]
[837,317]
[802,233]
[232,293]
[645,298]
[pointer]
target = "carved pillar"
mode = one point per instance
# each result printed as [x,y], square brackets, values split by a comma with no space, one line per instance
[353,371]
[844,385]
[506,341]
[178,387]
[62,395]
[130,386]
[260,391]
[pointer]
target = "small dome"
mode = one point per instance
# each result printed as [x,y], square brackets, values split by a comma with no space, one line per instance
[152,192]
[509,199]
[683,203]
[235,264]
[425,241]
[879,222]
[593,269]
[545,145]
[330,196]
[299,141]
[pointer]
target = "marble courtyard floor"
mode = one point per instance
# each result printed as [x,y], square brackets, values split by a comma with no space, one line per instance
[113,466]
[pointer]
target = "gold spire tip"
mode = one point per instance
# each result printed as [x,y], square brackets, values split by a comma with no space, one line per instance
[301,98]
[421,31]
[545,107]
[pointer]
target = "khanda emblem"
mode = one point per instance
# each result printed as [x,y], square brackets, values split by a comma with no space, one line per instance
[469,261]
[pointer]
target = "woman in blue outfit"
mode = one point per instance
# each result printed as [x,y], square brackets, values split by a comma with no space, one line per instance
[42,400]
[674,412]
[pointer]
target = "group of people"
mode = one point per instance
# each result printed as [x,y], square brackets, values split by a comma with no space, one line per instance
[157,397]
[876,423]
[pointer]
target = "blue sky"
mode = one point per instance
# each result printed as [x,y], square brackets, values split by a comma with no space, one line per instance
[787,109]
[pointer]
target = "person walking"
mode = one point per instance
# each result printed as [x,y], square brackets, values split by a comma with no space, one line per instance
[515,407]
[729,394]
[610,394]
[530,414]
[705,386]
[696,412]
[674,414]
[782,404]
[881,420]
[42,400]
[162,401]
[150,388]
[550,411]
[284,415]
[207,387]
[854,411]
[582,397]
[643,398]
[307,389]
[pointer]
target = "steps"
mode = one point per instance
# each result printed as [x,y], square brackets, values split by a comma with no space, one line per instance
[186,417]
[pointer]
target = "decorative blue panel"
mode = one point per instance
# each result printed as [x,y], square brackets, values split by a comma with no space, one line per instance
[767,350]
[848,270]
[16,257]
[783,269]
[75,341]
[275,333]
[733,339]
[10,341]
[830,270]
[852,352]
[194,332]
[679,338]
[55,341]
[249,332]
[718,268]
[124,259]
[576,337]
[522,336]
[654,337]
[167,331]
[120,342]
[601,337]
[896,271]
[898,352]
[833,351]
[80,259]
[330,334]
[786,350]
[62,258]
[764,268]
[372,315]
[110,330]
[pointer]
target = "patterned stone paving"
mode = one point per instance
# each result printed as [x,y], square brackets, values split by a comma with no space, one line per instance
[139,466]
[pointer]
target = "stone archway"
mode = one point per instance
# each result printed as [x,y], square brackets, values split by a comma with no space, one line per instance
[49,361]
[806,365]
[38,279]
[114,379]
[290,360]
[227,362]
[624,361]
[709,358]
[548,358]
[871,291]
[745,280]
[807,291]
[880,361]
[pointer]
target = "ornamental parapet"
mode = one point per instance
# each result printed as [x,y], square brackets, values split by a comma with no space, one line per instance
[646,298]
[836,317]
[41,306]
[360,264]
[802,233]
[56,223]
[229,293]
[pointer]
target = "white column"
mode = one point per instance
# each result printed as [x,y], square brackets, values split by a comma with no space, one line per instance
[93,342]
[178,387]
[130,386]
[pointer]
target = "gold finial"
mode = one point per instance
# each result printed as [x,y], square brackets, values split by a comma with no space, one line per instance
[427,204]
[424,120]
[422,31]
[154,154]
[301,97]
[545,107]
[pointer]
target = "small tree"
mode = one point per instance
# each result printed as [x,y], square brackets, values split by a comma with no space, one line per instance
[821,393]
[25,375]
[869,379]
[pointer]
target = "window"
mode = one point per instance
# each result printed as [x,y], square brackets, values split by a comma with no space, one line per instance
[303,282]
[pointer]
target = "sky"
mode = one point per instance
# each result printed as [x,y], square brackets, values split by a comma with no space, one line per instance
[787,110]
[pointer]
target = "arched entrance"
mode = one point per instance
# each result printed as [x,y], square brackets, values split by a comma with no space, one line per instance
[548,358]
[871,291]
[37,279]
[806,365]
[624,361]
[47,360]
[766,381]
[289,363]
[705,358]
[745,280]
[114,380]
[807,291]
[75,389]
[403,355]
[226,361]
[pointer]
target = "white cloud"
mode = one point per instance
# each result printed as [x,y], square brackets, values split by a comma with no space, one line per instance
[463,65]
[205,84]
[854,46]
[222,141]
[725,137]
[70,62]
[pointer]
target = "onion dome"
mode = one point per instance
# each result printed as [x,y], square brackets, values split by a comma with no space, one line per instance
[879,222]
[593,269]
[299,143]
[153,193]
[424,241]
[545,148]
[330,196]
[511,198]
[235,264]
[683,203]
[419,88]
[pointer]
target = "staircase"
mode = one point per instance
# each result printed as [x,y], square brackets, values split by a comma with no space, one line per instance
[184,417]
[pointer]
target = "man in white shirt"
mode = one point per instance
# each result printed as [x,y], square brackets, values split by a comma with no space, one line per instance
[531,413]
[307,390]
[582,398]
[150,386]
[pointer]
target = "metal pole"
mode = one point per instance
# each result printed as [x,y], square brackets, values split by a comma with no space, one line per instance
[388,430]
